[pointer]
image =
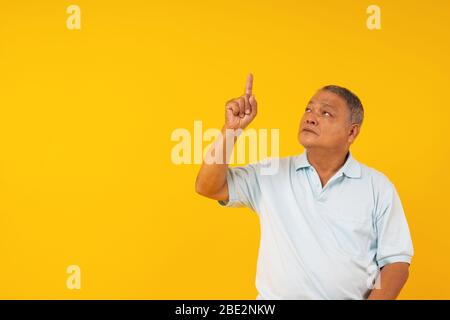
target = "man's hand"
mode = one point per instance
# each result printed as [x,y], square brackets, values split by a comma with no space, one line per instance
[239,112]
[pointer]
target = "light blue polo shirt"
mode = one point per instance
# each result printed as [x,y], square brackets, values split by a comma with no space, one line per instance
[321,243]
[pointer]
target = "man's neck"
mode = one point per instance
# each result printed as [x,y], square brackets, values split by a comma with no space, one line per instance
[327,162]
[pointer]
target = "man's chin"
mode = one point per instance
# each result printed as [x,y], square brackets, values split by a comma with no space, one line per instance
[306,144]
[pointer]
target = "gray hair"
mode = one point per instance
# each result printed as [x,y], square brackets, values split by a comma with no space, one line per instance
[353,102]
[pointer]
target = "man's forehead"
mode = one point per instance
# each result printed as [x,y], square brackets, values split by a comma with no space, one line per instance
[329,99]
[323,103]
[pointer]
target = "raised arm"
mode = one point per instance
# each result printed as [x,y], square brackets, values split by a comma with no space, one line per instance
[211,180]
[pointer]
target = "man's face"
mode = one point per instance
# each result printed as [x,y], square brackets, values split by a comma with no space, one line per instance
[329,120]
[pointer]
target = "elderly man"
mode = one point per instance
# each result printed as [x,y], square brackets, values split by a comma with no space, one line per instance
[329,224]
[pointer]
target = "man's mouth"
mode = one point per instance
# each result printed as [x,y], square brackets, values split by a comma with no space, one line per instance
[308,130]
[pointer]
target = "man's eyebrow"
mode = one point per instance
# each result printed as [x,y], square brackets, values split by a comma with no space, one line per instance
[324,104]
[327,105]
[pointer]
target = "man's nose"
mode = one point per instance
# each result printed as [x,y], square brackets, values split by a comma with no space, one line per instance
[311,121]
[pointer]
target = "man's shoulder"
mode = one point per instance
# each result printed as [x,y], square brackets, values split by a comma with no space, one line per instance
[280,160]
[272,166]
[378,179]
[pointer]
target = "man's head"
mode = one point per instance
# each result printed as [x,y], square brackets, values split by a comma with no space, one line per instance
[333,116]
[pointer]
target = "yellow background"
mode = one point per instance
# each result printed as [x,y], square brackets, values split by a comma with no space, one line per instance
[86,119]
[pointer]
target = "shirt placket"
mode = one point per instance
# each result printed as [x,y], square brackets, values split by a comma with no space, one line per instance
[320,192]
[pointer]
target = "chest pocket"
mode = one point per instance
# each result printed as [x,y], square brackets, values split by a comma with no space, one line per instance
[350,227]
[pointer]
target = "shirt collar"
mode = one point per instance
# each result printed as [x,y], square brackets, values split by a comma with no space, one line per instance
[351,167]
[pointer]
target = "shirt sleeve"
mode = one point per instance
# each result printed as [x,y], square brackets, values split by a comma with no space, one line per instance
[243,187]
[394,239]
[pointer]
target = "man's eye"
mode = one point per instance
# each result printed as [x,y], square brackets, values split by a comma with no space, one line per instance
[326,112]
[307,109]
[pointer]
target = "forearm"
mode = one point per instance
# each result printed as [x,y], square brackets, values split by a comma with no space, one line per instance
[393,277]
[213,173]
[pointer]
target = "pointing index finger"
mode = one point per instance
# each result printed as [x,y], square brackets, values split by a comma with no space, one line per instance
[249,85]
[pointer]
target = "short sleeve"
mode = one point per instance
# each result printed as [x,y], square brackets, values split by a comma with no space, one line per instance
[243,187]
[394,240]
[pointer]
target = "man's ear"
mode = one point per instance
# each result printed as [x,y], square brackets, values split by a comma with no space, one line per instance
[353,133]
